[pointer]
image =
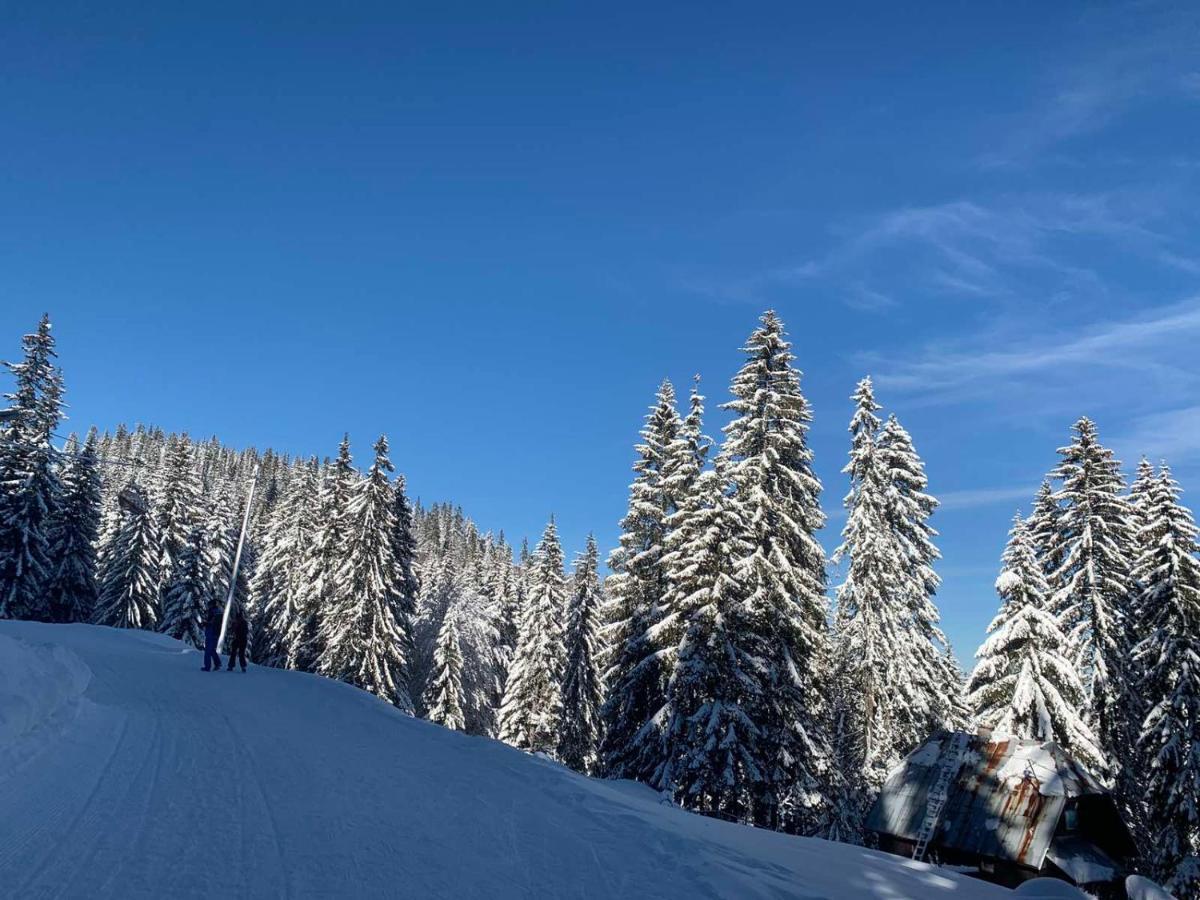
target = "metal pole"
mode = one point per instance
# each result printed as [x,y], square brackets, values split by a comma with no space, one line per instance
[237,559]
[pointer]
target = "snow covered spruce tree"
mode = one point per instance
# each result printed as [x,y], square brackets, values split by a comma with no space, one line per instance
[508,599]
[715,758]
[685,455]
[935,698]
[1044,527]
[71,591]
[1169,655]
[582,681]
[177,501]
[269,585]
[531,715]
[1142,494]
[277,582]
[404,550]
[323,554]
[444,700]
[768,465]
[1141,498]
[871,609]
[1023,683]
[365,629]
[636,684]
[1093,591]
[483,666]
[190,590]
[222,530]
[129,574]
[29,486]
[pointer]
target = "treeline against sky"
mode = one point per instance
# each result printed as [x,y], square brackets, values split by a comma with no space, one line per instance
[716,662]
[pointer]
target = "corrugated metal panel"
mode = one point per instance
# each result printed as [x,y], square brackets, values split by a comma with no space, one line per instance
[1005,803]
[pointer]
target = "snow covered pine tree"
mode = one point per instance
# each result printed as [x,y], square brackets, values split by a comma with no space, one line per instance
[177,502]
[364,632]
[582,681]
[631,746]
[323,554]
[1170,656]
[71,591]
[129,575]
[768,464]
[1023,683]
[190,590]
[1093,590]
[531,715]
[713,758]
[871,606]
[444,700]
[29,487]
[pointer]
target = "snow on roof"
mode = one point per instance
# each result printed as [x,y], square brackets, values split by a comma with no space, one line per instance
[1005,802]
[1083,861]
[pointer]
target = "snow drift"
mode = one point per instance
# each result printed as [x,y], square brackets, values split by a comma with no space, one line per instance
[40,687]
[162,780]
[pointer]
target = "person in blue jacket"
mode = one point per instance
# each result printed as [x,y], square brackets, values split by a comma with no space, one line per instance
[212,631]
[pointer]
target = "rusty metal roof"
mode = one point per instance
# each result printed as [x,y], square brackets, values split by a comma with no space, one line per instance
[1005,802]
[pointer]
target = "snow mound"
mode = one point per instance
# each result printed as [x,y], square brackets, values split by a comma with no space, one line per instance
[1138,887]
[172,782]
[39,684]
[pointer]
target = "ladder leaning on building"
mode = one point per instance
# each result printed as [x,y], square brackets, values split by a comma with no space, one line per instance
[950,761]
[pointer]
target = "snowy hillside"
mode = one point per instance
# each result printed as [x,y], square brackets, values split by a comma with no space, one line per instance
[125,771]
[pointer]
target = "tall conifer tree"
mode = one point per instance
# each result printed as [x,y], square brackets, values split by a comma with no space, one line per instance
[1093,590]
[531,715]
[871,606]
[631,745]
[768,464]
[582,680]
[1023,683]
[365,632]
[935,696]
[445,697]
[29,487]
[323,554]
[277,584]
[178,502]
[1169,656]
[129,576]
[72,590]
[714,759]
[190,590]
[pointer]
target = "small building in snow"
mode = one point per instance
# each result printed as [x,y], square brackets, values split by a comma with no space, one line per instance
[1012,809]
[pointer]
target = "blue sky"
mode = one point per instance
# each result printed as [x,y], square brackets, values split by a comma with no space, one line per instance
[491,232]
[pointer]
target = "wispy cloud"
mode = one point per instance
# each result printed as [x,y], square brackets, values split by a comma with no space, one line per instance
[1010,247]
[1138,52]
[956,501]
[1019,495]
[1172,436]
[1148,344]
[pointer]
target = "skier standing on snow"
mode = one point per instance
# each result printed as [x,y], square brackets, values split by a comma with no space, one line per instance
[241,631]
[212,631]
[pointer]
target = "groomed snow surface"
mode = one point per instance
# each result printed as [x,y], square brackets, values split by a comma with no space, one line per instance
[125,771]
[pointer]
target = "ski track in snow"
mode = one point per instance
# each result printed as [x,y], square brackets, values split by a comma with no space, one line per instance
[164,780]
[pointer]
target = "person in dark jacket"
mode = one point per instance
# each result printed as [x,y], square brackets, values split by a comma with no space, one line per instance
[212,631]
[241,631]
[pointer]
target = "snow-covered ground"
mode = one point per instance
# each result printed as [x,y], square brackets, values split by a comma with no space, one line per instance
[125,771]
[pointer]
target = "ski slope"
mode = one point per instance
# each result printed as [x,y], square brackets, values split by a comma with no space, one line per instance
[125,771]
